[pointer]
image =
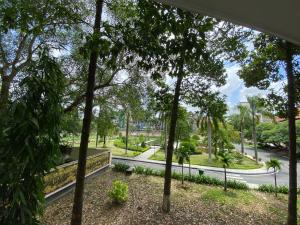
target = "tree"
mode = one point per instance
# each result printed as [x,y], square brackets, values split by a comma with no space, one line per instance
[177,43]
[105,123]
[243,115]
[212,111]
[27,28]
[254,103]
[265,65]
[182,154]
[226,159]
[87,117]
[29,142]
[275,165]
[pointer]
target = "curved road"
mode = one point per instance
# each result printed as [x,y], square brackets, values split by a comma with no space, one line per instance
[251,180]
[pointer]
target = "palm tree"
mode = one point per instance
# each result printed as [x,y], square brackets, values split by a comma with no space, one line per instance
[182,154]
[254,104]
[244,112]
[210,120]
[226,159]
[276,165]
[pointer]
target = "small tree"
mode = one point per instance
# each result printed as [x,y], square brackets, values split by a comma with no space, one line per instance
[226,159]
[276,165]
[182,154]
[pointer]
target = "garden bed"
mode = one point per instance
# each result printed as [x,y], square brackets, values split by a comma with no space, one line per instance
[193,204]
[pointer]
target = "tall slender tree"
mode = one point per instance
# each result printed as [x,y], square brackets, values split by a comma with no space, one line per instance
[243,114]
[263,66]
[79,186]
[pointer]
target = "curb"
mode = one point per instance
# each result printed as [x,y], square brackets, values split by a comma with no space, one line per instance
[211,169]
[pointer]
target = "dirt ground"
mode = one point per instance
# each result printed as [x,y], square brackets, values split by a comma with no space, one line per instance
[191,204]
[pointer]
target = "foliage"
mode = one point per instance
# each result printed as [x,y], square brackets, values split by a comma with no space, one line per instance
[270,188]
[274,164]
[121,167]
[118,192]
[200,179]
[196,137]
[29,142]
[120,144]
[226,158]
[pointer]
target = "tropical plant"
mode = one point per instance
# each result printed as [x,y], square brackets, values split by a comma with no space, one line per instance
[211,114]
[182,154]
[226,159]
[275,164]
[29,142]
[118,192]
[244,113]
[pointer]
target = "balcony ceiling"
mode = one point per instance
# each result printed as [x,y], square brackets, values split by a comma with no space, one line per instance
[277,17]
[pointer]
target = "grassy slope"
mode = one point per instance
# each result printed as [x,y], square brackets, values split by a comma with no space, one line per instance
[202,160]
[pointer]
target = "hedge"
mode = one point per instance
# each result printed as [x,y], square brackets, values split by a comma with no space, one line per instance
[118,143]
[199,179]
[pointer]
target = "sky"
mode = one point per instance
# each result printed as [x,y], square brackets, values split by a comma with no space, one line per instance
[236,91]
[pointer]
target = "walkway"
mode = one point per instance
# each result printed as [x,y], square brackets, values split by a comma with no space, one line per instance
[145,155]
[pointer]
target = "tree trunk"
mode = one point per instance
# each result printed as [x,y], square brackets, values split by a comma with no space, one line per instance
[190,167]
[73,142]
[254,133]
[166,133]
[4,93]
[168,167]
[127,130]
[104,140]
[275,182]
[209,138]
[79,187]
[182,173]
[242,138]
[292,205]
[225,183]
[97,138]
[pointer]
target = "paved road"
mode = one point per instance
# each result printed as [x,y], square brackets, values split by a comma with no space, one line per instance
[283,175]
[252,180]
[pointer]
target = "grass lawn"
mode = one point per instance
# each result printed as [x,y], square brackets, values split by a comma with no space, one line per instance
[193,204]
[202,160]
[115,150]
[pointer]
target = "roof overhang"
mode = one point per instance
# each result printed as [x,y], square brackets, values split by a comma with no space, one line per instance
[278,17]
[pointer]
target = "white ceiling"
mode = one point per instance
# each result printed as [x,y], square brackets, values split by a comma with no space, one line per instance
[277,17]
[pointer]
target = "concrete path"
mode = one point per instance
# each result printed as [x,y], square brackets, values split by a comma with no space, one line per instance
[145,155]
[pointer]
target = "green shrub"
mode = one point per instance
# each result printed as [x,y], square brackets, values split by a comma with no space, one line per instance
[119,192]
[121,167]
[139,169]
[149,171]
[237,185]
[143,144]
[271,188]
[196,137]
[120,144]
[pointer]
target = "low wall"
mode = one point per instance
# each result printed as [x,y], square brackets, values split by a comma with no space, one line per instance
[64,174]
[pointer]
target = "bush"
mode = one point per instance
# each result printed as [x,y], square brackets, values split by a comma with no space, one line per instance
[237,185]
[139,169]
[199,179]
[271,188]
[121,144]
[143,144]
[121,167]
[118,192]
[196,137]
